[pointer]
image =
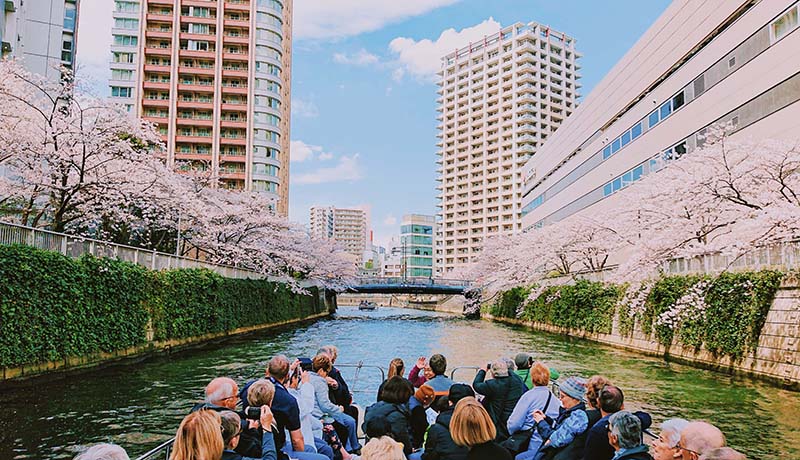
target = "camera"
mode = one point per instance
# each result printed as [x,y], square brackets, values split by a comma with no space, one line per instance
[252,412]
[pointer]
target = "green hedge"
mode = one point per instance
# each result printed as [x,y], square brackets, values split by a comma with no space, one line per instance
[53,307]
[737,305]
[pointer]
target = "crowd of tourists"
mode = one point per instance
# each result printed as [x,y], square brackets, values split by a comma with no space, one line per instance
[513,409]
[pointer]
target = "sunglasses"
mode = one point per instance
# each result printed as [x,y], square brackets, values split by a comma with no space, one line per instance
[679,446]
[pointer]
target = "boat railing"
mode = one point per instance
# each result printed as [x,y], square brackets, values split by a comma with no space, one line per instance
[161,452]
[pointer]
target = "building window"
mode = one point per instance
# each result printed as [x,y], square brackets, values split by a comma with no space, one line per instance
[652,120]
[126,7]
[125,58]
[124,75]
[126,40]
[69,16]
[784,24]
[123,23]
[665,110]
[121,91]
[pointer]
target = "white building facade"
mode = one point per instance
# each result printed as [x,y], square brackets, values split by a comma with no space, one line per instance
[41,33]
[348,227]
[703,62]
[500,99]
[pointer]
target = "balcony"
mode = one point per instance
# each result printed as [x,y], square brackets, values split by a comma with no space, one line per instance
[159,85]
[242,90]
[155,102]
[242,73]
[156,119]
[234,107]
[196,70]
[237,39]
[242,124]
[161,2]
[159,18]
[156,68]
[234,5]
[158,33]
[232,140]
[232,175]
[153,51]
[242,57]
[194,139]
[195,121]
[198,37]
[236,22]
[195,104]
[212,21]
[193,156]
[197,54]
[195,87]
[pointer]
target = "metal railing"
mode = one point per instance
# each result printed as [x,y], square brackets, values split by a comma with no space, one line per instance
[780,255]
[76,246]
[160,452]
[412,281]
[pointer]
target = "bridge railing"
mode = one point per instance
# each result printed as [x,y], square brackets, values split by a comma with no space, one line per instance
[413,281]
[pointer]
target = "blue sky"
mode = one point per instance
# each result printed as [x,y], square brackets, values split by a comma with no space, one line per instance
[363,90]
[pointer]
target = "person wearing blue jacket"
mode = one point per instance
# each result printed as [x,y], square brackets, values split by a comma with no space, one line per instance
[538,398]
[571,422]
[611,401]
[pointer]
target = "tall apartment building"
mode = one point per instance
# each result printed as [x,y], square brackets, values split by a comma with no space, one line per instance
[348,227]
[41,33]
[214,75]
[500,99]
[702,62]
[417,238]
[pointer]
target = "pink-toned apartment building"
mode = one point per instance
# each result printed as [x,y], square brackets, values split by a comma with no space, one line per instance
[214,75]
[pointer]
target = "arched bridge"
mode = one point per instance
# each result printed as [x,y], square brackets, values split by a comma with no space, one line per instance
[409,285]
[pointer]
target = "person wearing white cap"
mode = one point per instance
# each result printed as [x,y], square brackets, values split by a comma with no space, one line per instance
[571,421]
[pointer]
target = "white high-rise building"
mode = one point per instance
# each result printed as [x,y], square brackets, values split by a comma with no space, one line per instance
[41,33]
[702,63]
[500,99]
[348,227]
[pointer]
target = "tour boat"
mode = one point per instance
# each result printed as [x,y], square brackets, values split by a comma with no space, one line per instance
[367,305]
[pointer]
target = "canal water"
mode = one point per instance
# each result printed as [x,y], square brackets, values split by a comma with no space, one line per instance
[140,405]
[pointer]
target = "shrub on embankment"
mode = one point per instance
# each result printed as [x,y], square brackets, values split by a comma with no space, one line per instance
[53,307]
[723,314]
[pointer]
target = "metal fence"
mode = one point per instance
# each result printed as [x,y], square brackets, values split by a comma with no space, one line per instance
[161,452]
[781,255]
[412,281]
[76,246]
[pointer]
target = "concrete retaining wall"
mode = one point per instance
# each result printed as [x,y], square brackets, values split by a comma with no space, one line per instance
[777,358]
[27,374]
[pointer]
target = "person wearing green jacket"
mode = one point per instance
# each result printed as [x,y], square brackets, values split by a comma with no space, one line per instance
[524,361]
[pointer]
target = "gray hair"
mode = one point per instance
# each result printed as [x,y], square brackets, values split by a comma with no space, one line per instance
[103,452]
[222,387]
[671,431]
[512,366]
[499,367]
[627,428]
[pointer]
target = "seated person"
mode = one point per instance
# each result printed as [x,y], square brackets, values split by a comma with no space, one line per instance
[232,429]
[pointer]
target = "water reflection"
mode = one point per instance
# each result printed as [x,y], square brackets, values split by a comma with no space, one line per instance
[140,405]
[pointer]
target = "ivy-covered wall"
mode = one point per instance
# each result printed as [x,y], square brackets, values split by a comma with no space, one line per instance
[722,314]
[53,307]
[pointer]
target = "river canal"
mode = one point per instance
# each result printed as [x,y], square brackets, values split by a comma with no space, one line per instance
[140,405]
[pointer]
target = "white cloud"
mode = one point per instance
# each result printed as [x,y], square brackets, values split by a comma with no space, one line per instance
[390,220]
[360,58]
[423,58]
[348,169]
[299,151]
[397,74]
[304,108]
[325,156]
[326,19]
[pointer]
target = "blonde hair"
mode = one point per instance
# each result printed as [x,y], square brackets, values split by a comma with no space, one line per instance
[331,350]
[382,448]
[594,385]
[199,437]
[540,375]
[396,367]
[261,393]
[471,424]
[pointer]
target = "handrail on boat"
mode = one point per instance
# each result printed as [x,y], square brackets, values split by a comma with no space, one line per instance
[162,451]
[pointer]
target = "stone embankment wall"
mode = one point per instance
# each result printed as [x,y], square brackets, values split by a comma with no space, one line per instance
[776,359]
[440,303]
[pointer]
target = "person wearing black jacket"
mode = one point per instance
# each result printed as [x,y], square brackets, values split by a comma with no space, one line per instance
[394,410]
[232,430]
[611,401]
[501,394]
[439,445]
